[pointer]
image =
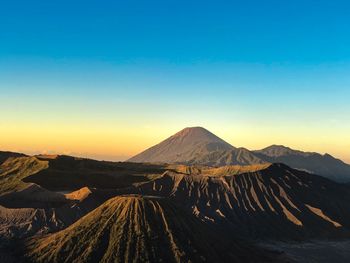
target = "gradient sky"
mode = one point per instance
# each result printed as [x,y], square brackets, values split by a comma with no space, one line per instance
[107,79]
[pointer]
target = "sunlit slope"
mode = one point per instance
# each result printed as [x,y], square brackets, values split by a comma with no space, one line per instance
[196,146]
[14,170]
[140,229]
[6,155]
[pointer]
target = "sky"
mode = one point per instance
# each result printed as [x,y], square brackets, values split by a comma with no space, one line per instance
[107,79]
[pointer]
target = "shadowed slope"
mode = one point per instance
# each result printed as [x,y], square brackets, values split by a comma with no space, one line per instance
[32,195]
[71,173]
[274,202]
[24,222]
[28,218]
[140,229]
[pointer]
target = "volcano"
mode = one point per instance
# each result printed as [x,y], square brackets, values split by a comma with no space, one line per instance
[196,146]
[141,229]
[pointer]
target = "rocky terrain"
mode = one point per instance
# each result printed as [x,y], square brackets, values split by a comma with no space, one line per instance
[66,209]
[142,229]
[274,202]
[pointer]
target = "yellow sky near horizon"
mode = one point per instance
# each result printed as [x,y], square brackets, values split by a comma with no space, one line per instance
[118,142]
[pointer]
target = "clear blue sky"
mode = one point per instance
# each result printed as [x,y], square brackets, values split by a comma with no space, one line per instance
[239,68]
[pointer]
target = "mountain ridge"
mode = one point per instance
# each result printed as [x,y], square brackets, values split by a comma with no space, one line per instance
[321,164]
[198,146]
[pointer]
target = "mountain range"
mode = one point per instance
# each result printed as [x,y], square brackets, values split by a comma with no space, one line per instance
[198,146]
[191,198]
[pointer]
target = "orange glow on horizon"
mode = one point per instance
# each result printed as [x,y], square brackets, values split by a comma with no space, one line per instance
[120,143]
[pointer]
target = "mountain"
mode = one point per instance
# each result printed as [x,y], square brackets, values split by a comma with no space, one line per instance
[5,155]
[276,200]
[68,207]
[141,229]
[196,146]
[325,165]
[273,202]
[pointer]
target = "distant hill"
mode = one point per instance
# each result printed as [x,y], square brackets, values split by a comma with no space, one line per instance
[196,145]
[325,165]
[141,229]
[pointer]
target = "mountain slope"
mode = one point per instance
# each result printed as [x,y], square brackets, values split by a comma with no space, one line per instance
[324,165]
[183,146]
[140,229]
[275,202]
[198,146]
[5,155]
[42,214]
[237,156]
[14,170]
[66,173]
